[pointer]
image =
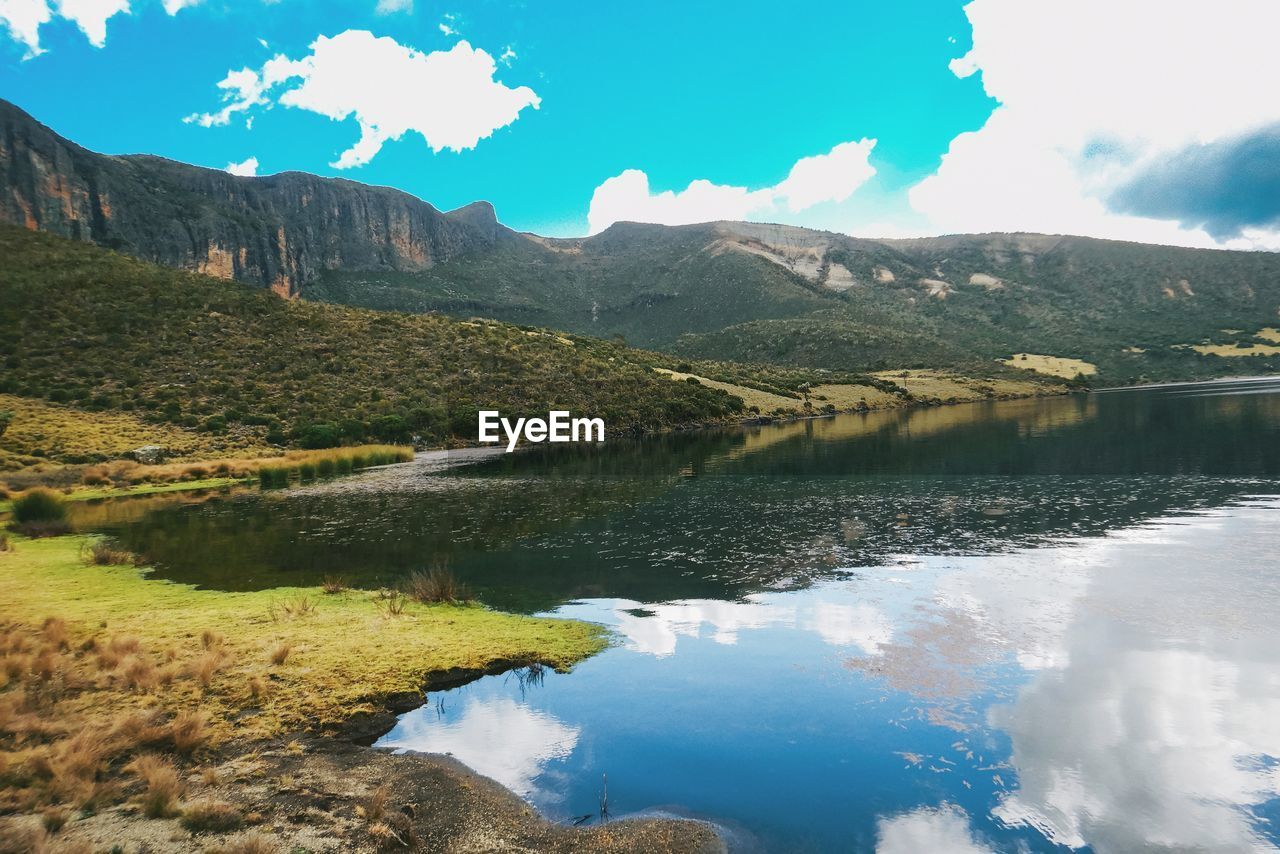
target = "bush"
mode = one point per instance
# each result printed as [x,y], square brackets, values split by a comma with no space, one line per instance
[6,418]
[39,505]
[320,436]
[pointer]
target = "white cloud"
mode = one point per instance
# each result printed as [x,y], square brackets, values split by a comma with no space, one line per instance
[508,56]
[22,18]
[1090,92]
[247,168]
[449,97]
[830,177]
[91,16]
[388,7]
[447,25]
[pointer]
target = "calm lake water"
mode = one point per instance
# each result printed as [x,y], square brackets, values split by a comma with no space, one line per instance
[1032,625]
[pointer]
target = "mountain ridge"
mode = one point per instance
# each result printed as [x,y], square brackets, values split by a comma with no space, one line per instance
[277,231]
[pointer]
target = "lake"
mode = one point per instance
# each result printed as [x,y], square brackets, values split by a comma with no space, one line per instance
[1025,625]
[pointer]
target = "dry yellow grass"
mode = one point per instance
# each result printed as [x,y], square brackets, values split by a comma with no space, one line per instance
[1269,334]
[843,396]
[940,385]
[1231,351]
[1054,366]
[60,432]
[765,401]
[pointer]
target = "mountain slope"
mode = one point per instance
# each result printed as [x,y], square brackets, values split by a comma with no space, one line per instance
[278,231]
[110,333]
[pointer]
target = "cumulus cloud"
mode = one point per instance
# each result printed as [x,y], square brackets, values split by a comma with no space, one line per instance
[388,7]
[23,18]
[830,177]
[449,97]
[1092,93]
[247,168]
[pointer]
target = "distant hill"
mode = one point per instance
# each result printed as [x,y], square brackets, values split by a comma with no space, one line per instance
[726,291]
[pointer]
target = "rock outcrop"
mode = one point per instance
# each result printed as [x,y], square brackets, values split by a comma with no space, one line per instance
[278,231]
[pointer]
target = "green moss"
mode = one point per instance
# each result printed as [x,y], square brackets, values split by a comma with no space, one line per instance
[347,653]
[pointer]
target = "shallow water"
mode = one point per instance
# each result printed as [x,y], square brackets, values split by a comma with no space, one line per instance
[1016,626]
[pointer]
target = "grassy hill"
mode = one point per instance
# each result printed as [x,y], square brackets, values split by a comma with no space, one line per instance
[104,332]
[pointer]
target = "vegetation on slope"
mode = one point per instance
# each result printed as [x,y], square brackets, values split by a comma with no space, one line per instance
[109,333]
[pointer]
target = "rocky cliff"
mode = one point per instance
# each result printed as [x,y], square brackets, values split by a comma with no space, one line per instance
[279,231]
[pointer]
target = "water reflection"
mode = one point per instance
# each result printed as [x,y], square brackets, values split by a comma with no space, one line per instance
[1163,729]
[1110,693]
[501,739]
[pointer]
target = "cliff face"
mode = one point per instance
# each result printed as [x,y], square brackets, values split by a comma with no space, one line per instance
[278,231]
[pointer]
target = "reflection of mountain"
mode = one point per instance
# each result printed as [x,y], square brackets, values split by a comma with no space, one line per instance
[498,737]
[723,514]
[836,616]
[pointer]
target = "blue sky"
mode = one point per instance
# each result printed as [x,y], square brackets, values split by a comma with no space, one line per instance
[729,95]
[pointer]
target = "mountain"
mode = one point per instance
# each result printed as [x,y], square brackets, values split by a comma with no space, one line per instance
[279,231]
[725,290]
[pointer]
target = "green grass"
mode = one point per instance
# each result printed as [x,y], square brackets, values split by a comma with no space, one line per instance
[346,652]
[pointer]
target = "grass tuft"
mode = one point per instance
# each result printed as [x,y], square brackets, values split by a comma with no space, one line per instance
[212,816]
[437,585]
[163,785]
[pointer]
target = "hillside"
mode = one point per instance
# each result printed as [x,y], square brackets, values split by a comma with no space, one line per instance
[104,332]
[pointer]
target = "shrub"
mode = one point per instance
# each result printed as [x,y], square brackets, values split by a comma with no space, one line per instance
[6,418]
[326,467]
[307,471]
[39,505]
[320,436]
